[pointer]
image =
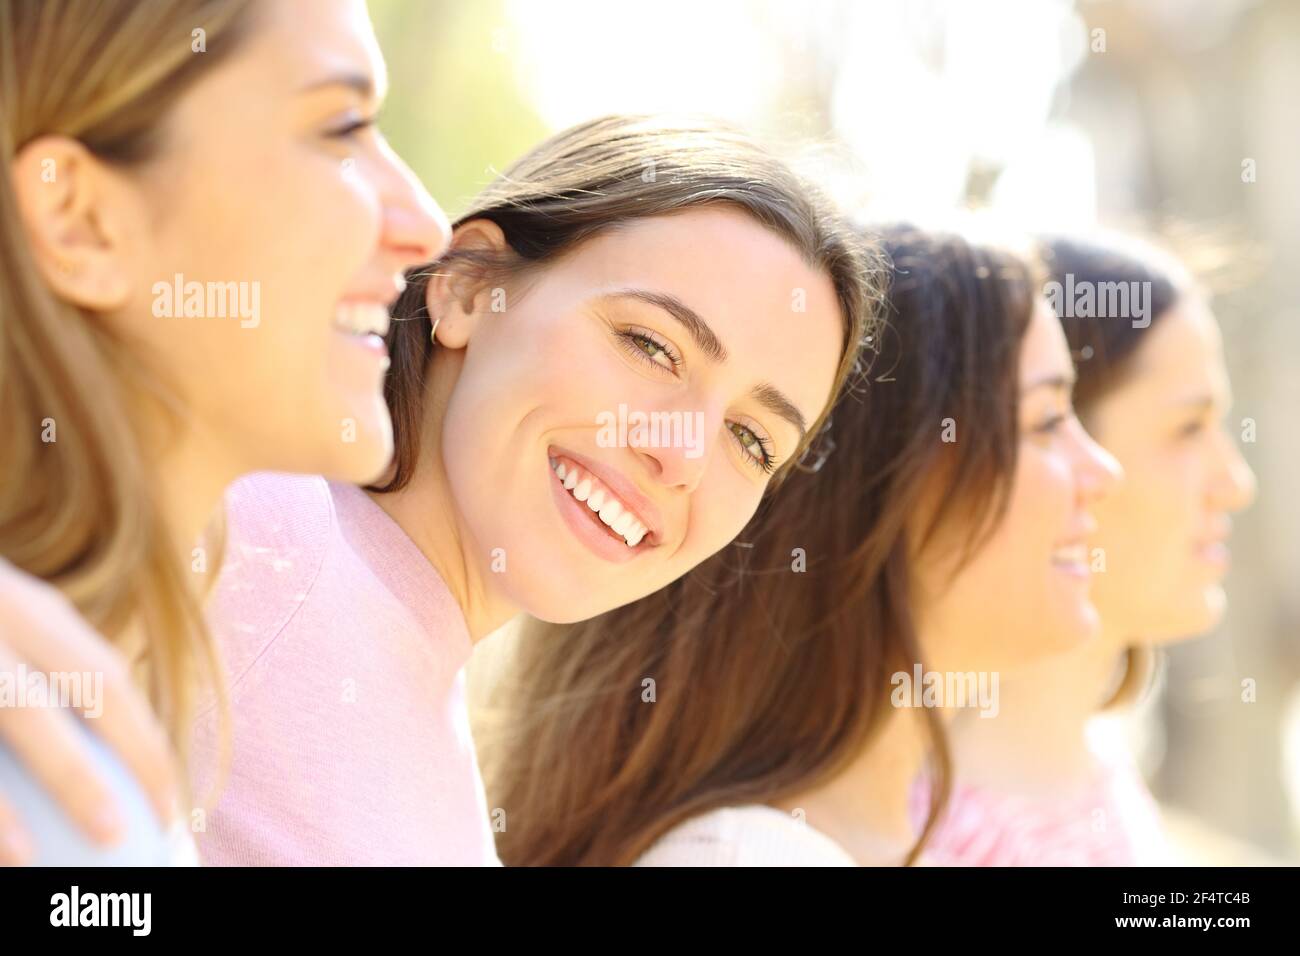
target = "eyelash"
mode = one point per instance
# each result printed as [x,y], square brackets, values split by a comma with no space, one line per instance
[766,464]
[352,128]
[1049,426]
[635,341]
[632,342]
[1191,429]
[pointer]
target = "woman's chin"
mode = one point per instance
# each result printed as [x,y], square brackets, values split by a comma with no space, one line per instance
[363,450]
[1077,626]
[1198,614]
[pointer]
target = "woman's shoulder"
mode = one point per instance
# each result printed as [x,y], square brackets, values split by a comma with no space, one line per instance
[748,835]
[278,530]
[270,509]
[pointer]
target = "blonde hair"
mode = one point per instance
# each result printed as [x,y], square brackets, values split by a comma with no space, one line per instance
[80,511]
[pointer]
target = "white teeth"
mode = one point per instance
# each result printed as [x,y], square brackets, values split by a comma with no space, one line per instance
[611,511]
[606,506]
[362,318]
[1074,554]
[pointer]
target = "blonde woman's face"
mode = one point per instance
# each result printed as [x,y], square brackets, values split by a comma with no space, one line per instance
[273,227]
[1024,595]
[703,326]
[1164,533]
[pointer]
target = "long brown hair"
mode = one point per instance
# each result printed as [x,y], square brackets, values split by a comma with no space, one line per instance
[81,511]
[766,683]
[1103,348]
[616,169]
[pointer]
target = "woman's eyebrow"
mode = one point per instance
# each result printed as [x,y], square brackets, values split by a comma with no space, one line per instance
[770,397]
[1196,403]
[361,83]
[1055,380]
[775,401]
[699,330]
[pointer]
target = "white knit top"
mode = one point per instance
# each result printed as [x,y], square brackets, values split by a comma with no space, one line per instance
[751,835]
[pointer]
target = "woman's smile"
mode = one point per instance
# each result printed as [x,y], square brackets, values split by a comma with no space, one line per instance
[616,525]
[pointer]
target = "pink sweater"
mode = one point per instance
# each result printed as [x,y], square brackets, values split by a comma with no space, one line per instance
[344,653]
[1112,821]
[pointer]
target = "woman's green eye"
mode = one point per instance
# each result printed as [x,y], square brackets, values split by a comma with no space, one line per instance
[756,449]
[649,350]
[646,348]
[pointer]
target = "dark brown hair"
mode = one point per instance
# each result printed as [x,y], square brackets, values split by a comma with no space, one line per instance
[1103,348]
[613,170]
[769,682]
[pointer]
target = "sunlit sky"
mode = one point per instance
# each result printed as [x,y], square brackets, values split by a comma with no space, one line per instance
[917,91]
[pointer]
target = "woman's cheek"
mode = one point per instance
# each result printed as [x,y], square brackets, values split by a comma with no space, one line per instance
[1056,488]
[1160,504]
[339,198]
[723,504]
[1039,517]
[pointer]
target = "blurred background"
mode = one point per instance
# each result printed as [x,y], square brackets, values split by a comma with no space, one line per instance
[1174,118]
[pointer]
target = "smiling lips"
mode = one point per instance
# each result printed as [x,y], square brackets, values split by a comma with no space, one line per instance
[1072,558]
[363,310]
[585,487]
[362,318]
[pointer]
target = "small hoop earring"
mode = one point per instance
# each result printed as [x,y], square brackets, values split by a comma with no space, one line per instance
[433,332]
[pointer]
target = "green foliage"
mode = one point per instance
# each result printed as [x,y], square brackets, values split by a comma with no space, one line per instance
[455,110]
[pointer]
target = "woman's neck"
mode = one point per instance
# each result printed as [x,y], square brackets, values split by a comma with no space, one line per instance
[192,471]
[424,509]
[865,807]
[1038,742]
[193,479]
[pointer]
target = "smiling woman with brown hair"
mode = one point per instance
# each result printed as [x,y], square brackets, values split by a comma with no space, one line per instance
[743,715]
[665,264]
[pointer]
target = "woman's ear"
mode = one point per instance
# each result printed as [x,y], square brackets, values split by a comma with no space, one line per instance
[72,219]
[457,297]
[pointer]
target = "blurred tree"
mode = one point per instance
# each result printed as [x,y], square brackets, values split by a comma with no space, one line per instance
[455,109]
